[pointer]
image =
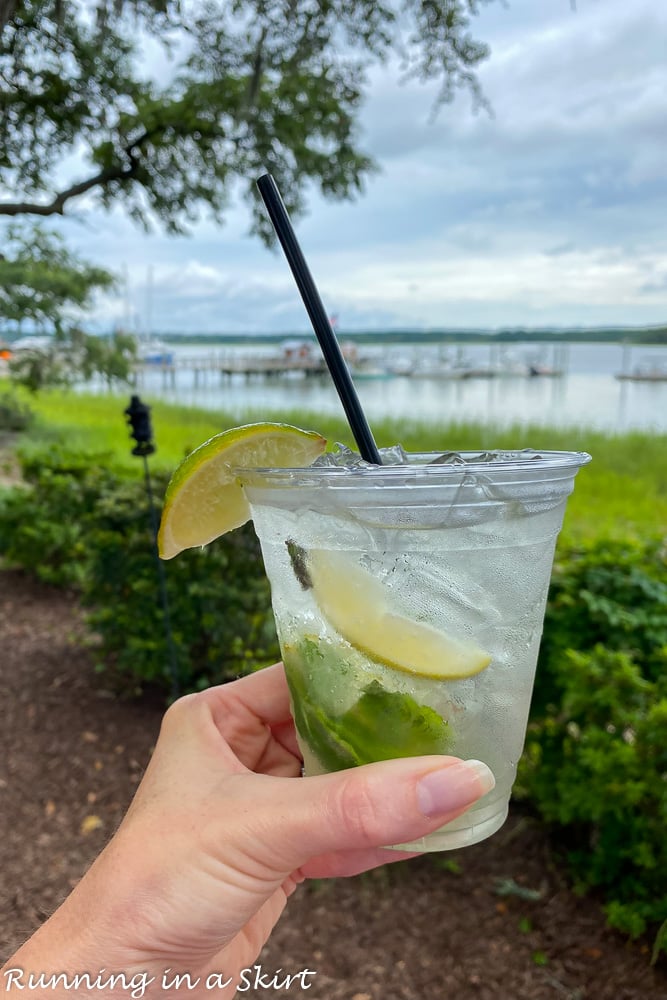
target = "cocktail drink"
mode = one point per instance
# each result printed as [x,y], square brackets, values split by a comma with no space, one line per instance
[409,595]
[409,601]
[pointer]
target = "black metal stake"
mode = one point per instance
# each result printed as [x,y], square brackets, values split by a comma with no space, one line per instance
[138,416]
[162,577]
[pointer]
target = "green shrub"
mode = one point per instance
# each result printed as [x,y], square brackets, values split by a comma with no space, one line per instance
[87,526]
[595,763]
[610,592]
[219,600]
[15,414]
[43,527]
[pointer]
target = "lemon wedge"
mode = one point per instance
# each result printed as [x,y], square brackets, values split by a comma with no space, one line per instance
[204,500]
[357,605]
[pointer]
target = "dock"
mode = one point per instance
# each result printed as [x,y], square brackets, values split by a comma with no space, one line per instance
[227,365]
[303,360]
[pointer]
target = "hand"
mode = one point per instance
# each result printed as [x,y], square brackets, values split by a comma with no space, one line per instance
[220,834]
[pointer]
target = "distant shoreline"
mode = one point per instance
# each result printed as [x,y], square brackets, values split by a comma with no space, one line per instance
[645,335]
[610,335]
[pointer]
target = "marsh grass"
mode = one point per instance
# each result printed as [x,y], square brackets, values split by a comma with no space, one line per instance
[623,491]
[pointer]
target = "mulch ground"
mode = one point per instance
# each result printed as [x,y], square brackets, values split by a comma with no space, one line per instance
[493,922]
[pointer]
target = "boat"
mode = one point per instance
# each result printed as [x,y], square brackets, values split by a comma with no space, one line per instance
[537,370]
[649,371]
[643,376]
[401,366]
[35,344]
[430,365]
[155,352]
[438,368]
[370,371]
[367,364]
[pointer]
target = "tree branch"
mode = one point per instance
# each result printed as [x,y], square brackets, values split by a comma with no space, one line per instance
[57,206]
[101,179]
[7,8]
[257,69]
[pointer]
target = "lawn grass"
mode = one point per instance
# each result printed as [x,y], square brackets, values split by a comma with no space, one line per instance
[623,491]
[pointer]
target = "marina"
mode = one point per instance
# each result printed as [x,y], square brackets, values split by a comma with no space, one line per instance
[301,358]
[608,386]
[577,387]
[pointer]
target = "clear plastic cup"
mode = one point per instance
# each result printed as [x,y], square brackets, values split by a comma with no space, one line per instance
[409,602]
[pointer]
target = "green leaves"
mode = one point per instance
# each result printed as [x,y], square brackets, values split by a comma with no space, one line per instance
[380,725]
[219,599]
[612,592]
[41,282]
[46,286]
[15,414]
[79,524]
[596,753]
[250,86]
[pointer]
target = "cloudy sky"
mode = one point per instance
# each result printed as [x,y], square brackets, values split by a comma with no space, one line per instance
[553,211]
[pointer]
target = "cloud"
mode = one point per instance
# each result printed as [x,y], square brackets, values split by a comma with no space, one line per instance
[560,250]
[552,211]
[656,286]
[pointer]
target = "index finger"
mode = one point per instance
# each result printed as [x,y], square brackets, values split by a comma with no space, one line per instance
[263,694]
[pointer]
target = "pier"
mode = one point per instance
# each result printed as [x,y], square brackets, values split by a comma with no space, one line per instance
[225,365]
[302,359]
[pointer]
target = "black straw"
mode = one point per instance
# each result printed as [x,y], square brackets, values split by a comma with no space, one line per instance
[319,319]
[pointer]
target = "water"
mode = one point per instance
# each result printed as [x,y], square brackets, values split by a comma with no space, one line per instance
[587,395]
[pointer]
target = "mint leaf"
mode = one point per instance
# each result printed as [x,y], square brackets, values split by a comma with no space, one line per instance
[313,726]
[387,724]
[381,725]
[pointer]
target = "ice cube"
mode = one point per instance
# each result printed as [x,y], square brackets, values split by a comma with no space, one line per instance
[343,457]
[449,458]
[396,455]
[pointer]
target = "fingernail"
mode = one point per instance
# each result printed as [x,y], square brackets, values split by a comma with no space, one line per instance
[454,787]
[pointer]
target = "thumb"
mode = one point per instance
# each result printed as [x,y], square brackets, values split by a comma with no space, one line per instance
[376,805]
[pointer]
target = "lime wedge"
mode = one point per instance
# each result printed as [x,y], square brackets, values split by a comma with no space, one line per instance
[359,608]
[204,500]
